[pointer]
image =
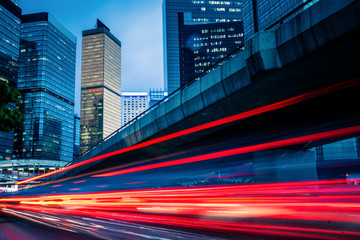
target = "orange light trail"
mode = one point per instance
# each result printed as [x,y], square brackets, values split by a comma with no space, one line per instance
[82,181]
[333,206]
[243,115]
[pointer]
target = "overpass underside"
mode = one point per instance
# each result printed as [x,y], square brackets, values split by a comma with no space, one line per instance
[313,60]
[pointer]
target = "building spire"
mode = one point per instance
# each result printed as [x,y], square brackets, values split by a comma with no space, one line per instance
[100,24]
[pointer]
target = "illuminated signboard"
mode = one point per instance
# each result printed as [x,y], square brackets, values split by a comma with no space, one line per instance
[95,91]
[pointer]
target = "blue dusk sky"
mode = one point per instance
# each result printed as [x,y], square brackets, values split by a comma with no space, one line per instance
[136,23]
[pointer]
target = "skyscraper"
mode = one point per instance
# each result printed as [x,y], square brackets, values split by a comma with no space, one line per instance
[202,45]
[194,13]
[46,81]
[133,104]
[155,95]
[10,15]
[100,85]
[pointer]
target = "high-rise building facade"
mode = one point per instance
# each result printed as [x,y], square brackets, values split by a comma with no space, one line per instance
[202,45]
[10,24]
[156,95]
[266,14]
[194,13]
[133,104]
[100,85]
[76,152]
[46,81]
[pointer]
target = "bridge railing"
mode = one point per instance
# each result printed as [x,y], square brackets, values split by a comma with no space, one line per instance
[198,77]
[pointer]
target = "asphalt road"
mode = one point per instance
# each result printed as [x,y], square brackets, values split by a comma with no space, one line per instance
[12,229]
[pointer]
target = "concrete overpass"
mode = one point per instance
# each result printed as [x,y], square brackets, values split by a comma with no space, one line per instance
[314,50]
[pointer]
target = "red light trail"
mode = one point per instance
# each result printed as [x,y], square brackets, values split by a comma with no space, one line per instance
[254,148]
[82,181]
[313,209]
[243,115]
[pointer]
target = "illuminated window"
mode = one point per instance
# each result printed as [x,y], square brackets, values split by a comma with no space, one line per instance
[234,10]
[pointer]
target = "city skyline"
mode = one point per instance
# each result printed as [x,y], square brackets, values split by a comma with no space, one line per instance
[142,57]
[265,143]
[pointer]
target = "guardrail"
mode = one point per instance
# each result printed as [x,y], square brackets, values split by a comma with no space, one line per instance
[206,71]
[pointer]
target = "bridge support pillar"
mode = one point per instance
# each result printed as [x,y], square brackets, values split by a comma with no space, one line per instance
[284,166]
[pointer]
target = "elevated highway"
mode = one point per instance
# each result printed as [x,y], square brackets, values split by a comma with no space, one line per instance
[300,78]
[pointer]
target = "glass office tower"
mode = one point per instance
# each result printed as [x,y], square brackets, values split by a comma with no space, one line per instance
[195,12]
[47,83]
[156,95]
[202,45]
[100,85]
[10,24]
